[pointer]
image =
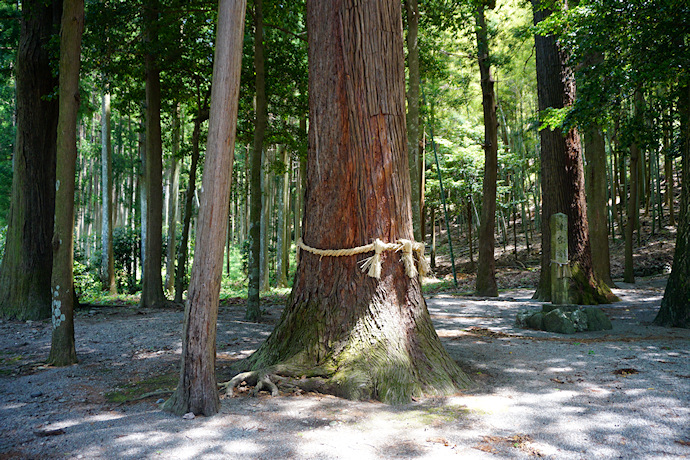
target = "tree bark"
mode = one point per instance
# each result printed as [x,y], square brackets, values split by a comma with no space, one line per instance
[562,172]
[27,262]
[596,203]
[486,269]
[107,260]
[668,166]
[364,337]
[283,219]
[412,10]
[173,196]
[181,270]
[62,349]
[152,281]
[633,201]
[253,301]
[675,306]
[197,389]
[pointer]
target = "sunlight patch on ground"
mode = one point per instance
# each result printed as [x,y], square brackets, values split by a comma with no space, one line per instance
[487,404]
[12,406]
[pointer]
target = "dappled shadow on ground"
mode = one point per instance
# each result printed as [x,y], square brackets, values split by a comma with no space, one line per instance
[610,394]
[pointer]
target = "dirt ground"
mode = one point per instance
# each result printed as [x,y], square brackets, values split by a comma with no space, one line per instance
[612,394]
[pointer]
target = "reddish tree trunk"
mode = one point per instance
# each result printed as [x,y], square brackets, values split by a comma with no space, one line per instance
[562,173]
[364,337]
[486,269]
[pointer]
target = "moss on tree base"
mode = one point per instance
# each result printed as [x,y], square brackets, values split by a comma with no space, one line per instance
[382,355]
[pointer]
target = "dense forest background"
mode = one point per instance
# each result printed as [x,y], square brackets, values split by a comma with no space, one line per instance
[630,64]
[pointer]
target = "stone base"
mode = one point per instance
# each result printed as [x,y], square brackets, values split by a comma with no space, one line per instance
[564,319]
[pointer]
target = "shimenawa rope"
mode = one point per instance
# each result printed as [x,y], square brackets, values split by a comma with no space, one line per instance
[372,265]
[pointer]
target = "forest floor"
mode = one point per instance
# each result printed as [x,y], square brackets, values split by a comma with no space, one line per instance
[623,393]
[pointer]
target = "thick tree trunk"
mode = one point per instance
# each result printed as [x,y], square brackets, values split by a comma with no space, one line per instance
[62,349]
[152,281]
[412,10]
[181,270]
[486,269]
[675,306]
[28,258]
[197,390]
[254,266]
[562,172]
[364,337]
[107,260]
[596,203]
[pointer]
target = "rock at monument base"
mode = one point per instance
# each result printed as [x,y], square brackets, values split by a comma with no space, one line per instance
[597,320]
[564,319]
[557,321]
[580,320]
[536,321]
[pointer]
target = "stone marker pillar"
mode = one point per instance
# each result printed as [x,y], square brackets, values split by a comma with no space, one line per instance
[560,267]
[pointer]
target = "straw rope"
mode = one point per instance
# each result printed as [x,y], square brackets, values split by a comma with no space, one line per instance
[372,265]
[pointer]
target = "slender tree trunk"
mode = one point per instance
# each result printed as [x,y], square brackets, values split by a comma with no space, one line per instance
[283,219]
[181,270]
[62,349]
[412,10]
[486,269]
[675,306]
[596,203]
[363,337]
[432,257]
[562,173]
[668,167]
[253,301]
[28,258]
[152,282]
[173,197]
[107,260]
[266,221]
[633,201]
[197,389]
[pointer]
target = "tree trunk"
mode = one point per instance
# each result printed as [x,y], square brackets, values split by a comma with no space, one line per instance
[412,10]
[364,337]
[197,390]
[596,203]
[267,186]
[152,281]
[283,219]
[562,172]
[62,349]
[486,269]
[668,167]
[181,271]
[107,260]
[633,202]
[675,306]
[173,196]
[253,301]
[28,257]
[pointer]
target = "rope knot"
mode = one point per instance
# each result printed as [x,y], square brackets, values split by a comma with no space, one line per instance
[372,265]
[408,260]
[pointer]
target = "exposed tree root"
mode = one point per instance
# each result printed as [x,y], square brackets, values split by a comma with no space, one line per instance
[287,379]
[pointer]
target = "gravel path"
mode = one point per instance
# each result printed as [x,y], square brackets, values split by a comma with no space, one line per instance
[614,394]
